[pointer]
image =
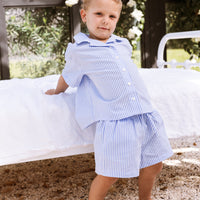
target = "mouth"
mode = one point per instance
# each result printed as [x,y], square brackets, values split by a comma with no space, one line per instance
[104,28]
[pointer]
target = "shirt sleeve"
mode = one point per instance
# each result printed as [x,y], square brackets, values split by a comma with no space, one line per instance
[72,73]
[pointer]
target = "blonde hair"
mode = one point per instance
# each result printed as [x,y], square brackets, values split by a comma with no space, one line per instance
[85,3]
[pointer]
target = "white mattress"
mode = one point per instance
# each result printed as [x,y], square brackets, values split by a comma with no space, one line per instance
[36,126]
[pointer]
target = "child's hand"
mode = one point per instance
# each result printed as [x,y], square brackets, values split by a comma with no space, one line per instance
[50,92]
[61,87]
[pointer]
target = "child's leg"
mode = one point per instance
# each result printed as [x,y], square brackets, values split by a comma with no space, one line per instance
[100,187]
[146,180]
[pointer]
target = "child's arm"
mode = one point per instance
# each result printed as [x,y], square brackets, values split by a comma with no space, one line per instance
[61,87]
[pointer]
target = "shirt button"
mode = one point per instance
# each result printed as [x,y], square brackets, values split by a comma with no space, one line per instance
[133,98]
[124,69]
[116,57]
[129,83]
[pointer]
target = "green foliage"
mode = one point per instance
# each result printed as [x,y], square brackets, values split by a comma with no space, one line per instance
[39,31]
[43,32]
[126,21]
[35,68]
[184,15]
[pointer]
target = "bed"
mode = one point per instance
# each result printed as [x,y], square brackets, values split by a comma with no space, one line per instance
[35,126]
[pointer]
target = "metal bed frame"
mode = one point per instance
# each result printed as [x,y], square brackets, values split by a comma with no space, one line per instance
[161,63]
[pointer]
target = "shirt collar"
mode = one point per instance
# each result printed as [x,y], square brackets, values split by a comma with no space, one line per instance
[84,38]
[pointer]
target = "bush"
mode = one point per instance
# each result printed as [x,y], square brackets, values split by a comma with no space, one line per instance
[184,16]
[40,32]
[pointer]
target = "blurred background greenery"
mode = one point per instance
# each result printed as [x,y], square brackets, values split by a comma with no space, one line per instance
[38,37]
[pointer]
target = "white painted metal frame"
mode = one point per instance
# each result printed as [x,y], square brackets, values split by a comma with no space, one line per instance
[173,63]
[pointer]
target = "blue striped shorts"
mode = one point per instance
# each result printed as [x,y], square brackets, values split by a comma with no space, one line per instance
[123,147]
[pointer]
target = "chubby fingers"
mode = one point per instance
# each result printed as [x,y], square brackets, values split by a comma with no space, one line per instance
[50,92]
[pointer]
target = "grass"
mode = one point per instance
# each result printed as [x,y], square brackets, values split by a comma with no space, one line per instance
[32,68]
[137,58]
[177,54]
[180,56]
[26,68]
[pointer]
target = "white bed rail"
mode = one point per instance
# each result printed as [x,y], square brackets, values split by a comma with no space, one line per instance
[173,63]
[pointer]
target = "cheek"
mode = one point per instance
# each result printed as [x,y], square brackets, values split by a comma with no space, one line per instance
[114,26]
[94,22]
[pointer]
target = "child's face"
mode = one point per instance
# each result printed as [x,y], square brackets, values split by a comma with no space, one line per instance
[101,18]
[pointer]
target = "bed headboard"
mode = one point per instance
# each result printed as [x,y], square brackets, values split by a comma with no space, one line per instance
[173,63]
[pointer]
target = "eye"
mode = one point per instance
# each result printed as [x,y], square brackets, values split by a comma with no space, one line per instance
[98,13]
[112,16]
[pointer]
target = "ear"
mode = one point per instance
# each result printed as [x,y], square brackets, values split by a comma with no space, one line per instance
[83,15]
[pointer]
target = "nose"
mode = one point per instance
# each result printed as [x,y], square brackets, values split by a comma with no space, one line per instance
[105,20]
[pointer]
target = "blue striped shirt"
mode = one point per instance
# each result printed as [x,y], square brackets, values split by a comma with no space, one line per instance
[109,86]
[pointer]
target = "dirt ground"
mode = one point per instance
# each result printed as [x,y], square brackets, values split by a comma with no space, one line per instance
[69,178]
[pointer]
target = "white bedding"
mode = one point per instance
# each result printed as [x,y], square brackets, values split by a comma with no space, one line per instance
[36,126]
